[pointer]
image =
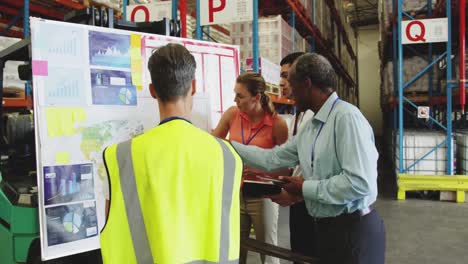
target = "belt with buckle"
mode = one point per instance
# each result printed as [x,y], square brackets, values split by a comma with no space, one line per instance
[344,217]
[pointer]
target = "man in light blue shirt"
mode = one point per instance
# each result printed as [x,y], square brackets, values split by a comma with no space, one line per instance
[337,154]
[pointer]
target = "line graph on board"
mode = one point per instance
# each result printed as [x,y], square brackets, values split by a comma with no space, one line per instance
[68,88]
[66,46]
[62,45]
[65,86]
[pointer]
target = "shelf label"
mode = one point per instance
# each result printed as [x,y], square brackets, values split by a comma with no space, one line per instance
[224,12]
[424,31]
[423,112]
[149,12]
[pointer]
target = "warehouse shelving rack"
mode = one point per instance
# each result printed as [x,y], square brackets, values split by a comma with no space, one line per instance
[295,13]
[443,102]
[306,26]
[299,19]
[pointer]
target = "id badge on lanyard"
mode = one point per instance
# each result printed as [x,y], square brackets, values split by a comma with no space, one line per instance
[251,137]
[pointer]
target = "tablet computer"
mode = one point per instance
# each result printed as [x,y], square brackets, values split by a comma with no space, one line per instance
[260,188]
[274,180]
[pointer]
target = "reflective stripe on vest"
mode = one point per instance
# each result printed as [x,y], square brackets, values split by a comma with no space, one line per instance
[228,183]
[137,226]
[132,204]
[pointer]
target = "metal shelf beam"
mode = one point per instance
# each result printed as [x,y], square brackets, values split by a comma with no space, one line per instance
[312,30]
[35,9]
[341,29]
[71,4]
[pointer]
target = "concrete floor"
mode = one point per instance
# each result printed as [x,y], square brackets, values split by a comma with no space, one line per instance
[418,232]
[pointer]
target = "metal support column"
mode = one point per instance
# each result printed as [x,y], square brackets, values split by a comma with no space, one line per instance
[175,9]
[183,18]
[462,47]
[395,75]
[26,34]
[198,26]
[124,10]
[26,19]
[449,90]
[400,88]
[255,53]
[431,71]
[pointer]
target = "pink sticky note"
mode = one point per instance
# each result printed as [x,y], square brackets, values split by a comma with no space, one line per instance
[40,68]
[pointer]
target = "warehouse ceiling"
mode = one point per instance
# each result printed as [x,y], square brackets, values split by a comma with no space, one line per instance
[362,12]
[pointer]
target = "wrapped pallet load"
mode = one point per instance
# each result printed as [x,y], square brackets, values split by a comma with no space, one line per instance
[416,144]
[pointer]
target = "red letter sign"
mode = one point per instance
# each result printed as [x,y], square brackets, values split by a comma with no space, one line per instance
[212,9]
[147,13]
[416,37]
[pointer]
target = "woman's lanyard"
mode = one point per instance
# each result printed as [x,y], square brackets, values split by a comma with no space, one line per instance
[251,137]
[320,130]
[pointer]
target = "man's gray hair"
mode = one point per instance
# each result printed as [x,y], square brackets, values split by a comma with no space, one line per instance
[316,68]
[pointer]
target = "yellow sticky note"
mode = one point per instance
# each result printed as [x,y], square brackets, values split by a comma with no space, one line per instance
[79,114]
[136,79]
[139,87]
[62,157]
[135,40]
[136,66]
[135,53]
[61,120]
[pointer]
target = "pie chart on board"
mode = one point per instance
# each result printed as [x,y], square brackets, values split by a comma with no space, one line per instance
[125,96]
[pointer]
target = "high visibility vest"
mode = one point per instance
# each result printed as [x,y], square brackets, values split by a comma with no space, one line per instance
[174,198]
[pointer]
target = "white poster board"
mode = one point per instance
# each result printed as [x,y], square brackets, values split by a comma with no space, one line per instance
[91,91]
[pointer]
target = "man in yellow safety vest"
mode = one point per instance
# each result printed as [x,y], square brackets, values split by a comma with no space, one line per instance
[174,189]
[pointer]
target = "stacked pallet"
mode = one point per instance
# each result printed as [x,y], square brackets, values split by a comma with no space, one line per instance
[322,18]
[276,39]
[114,4]
[411,7]
[412,66]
